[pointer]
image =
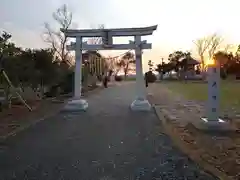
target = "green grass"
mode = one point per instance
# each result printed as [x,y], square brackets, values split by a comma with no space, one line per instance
[229,92]
[130,79]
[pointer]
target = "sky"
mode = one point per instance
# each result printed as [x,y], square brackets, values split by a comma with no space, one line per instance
[180,22]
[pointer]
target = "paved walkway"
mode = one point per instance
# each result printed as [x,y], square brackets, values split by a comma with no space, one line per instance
[106,142]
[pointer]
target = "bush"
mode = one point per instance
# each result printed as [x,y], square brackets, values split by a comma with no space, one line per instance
[118,78]
[238,76]
[151,78]
[67,83]
[223,74]
[54,91]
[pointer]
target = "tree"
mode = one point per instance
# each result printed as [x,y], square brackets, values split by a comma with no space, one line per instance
[175,59]
[228,47]
[45,66]
[96,40]
[215,42]
[184,62]
[228,62]
[4,46]
[160,69]
[57,39]
[150,76]
[202,44]
[180,62]
[150,65]
[3,53]
[221,58]
[165,68]
[126,61]
[8,54]
[207,46]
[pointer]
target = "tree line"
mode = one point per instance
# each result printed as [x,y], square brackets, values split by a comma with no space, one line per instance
[30,67]
[53,67]
[208,48]
[47,68]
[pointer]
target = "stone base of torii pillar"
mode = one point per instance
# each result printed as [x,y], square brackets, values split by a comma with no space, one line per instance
[140,105]
[76,105]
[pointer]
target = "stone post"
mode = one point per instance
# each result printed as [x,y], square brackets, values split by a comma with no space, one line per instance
[77,104]
[213,122]
[213,93]
[140,103]
[140,88]
[78,69]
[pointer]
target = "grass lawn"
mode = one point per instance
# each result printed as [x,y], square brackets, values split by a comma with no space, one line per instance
[130,79]
[229,93]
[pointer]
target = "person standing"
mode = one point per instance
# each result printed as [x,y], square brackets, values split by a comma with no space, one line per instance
[146,79]
[105,80]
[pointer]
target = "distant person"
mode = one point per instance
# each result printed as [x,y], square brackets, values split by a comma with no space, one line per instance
[146,79]
[105,81]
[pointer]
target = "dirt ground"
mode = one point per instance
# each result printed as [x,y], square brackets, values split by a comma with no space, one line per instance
[218,153]
[19,117]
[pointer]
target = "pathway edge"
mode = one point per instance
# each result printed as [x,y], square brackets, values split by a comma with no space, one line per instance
[33,123]
[181,145]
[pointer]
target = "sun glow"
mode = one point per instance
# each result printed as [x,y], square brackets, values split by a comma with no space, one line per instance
[210,62]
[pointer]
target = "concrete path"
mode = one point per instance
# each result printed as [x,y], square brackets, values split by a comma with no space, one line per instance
[108,142]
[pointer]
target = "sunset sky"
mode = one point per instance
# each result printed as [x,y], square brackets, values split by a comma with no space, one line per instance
[179,21]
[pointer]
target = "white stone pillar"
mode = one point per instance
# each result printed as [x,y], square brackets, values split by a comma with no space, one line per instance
[140,103]
[77,103]
[78,69]
[140,85]
[213,122]
[213,93]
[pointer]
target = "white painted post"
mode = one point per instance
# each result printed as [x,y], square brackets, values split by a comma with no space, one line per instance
[141,89]
[78,69]
[140,103]
[213,92]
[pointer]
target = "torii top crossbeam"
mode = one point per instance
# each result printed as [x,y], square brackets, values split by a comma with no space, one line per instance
[143,31]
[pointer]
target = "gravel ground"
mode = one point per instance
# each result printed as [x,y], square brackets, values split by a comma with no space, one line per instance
[108,142]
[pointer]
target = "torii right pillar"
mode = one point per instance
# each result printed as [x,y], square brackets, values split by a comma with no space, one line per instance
[140,103]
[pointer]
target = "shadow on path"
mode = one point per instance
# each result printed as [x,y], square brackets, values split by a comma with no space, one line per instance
[106,142]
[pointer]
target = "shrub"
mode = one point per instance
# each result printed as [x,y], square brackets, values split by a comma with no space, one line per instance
[118,78]
[151,77]
[67,83]
[223,74]
[238,76]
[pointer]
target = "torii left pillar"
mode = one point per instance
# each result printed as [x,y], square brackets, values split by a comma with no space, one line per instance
[140,103]
[77,103]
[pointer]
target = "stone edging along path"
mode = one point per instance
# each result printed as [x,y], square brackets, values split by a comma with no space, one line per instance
[164,117]
[175,116]
[56,107]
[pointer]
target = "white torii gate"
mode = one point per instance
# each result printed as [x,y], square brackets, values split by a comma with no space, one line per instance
[141,102]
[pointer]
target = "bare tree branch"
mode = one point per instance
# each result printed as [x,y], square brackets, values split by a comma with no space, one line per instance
[207,46]
[215,42]
[202,45]
[228,47]
[96,40]
[57,39]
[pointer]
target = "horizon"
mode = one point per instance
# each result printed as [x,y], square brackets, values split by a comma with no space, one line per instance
[202,19]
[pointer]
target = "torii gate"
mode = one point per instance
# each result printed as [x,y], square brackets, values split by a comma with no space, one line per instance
[141,102]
